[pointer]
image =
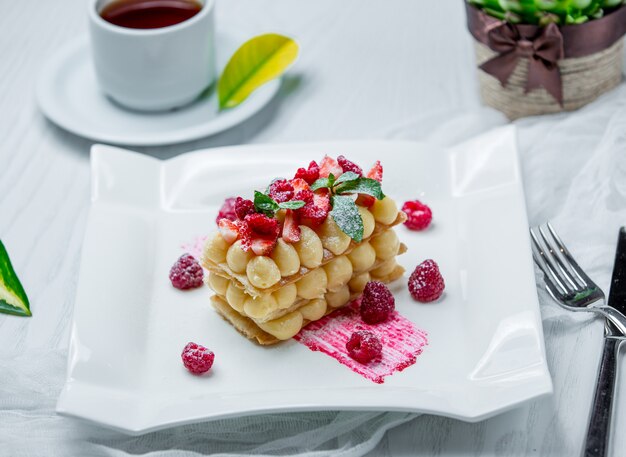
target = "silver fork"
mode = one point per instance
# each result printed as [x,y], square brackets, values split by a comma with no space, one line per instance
[565,281]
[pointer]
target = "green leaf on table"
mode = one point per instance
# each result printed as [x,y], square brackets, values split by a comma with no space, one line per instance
[366,186]
[257,61]
[13,299]
[347,217]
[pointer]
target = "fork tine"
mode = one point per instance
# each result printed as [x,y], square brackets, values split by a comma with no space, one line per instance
[548,273]
[582,276]
[566,272]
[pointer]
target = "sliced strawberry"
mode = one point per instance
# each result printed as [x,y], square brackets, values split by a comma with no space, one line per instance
[376,172]
[366,200]
[263,246]
[229,230]
[299,184]
[291,231]
[329,165]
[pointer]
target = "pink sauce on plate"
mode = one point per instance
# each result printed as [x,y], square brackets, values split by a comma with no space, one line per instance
[402,341]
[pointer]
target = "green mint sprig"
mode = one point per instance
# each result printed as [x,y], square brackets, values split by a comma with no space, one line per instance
[265,204]
[345,212]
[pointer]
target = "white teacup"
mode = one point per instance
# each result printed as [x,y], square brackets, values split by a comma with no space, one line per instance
[154,69]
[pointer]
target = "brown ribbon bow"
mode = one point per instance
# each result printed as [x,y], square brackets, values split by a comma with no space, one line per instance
[542,51]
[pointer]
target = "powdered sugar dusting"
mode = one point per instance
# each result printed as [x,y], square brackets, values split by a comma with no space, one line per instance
[195,247]
[402,341]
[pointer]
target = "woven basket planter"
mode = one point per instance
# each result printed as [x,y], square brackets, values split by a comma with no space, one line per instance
[583,78]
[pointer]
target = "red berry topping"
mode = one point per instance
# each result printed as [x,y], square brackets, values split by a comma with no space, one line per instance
[229,230]
[243,207]
[418,214]
[328,166]
[281,191]
[197,359]
[377,303]
[227,211]
[310,175]
[376,172]
[364,346]
[186,273]
[291,231]
[262,225]
[346,166]
[311,214]
[299,184]
[426,283]
[263,231]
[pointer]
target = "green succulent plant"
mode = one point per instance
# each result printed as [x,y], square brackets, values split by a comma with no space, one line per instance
[543,12]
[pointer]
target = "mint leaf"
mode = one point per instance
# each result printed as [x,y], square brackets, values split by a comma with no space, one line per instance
[265,204]
[321,183]
[293,204]
[347,217]
[366,186]
[347,176]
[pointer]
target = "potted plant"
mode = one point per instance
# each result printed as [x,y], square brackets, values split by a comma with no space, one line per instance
[546,56]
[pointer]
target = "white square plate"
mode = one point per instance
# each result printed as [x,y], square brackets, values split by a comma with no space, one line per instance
[485,351]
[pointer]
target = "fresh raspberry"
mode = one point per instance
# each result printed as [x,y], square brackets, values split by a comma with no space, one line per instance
[311,214]
[197,359]
[418,214]
[426,283]
[281,191]
[377,303]
[243,207]
[376,172]
[364,346]
[227,211]
[261,225]
[346,166]
[311,174]
[186,273]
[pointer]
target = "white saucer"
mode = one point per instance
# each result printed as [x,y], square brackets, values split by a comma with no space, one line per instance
[68,94]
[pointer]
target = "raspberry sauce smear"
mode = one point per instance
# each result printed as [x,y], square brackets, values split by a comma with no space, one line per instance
[402,342]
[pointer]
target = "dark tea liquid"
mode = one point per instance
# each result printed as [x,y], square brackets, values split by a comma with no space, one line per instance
[149,14]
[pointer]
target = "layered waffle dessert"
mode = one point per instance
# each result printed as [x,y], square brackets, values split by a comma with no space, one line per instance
[302,248]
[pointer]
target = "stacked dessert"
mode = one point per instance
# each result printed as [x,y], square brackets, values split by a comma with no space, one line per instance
[302,248]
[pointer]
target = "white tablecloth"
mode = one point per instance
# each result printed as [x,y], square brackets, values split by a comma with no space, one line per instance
[384,70]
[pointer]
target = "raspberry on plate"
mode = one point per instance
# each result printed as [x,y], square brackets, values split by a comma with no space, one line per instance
[363,346]
[243,207]
[197,358]
[377,303]
[311,174]
[426,283]
[227,211]
[418,214]
[186,273]
[346,166]
[281,191]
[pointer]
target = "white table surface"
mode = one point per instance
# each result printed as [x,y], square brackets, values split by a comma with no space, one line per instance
[384,70]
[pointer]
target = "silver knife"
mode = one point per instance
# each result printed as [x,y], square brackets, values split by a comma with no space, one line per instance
[598,433]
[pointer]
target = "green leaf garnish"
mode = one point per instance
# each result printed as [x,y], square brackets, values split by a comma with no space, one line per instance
[267,205]
[264,204]
[321,183]
[347,217]
[13,299]
[361,186]
[257,61]
[292,204]
[347,176]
